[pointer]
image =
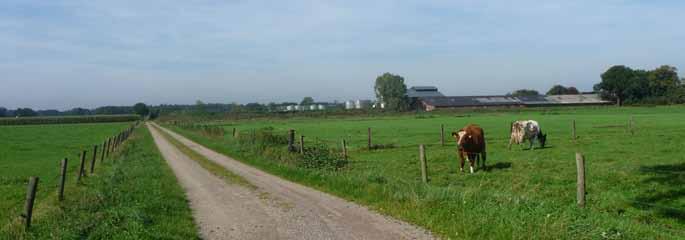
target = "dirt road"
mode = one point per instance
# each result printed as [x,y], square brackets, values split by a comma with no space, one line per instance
[277,209]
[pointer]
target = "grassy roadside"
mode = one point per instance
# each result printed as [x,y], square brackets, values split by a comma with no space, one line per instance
[133,195]
[212,167]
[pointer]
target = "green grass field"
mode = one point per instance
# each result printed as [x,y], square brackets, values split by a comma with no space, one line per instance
[36,150]
[634,181]
[133,195]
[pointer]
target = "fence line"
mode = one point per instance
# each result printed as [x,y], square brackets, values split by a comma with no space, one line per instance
[33,180]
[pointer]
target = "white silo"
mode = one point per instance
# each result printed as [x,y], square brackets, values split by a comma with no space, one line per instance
[349,104]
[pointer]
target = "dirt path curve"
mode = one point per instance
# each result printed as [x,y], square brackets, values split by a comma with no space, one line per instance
[278,209]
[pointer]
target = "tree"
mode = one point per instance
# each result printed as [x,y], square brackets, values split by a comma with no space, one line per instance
[3,111]
[524,92]
[25,112]
[307,101]
[561,90]
[391,90]
[662,80]
[141,109]
[200,107]
[616,83]
[78,111]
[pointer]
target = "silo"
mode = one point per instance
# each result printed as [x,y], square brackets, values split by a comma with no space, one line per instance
[349,104]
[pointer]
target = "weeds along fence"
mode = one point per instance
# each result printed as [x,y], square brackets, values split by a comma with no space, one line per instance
[102,150]
[282,147]
[205,129]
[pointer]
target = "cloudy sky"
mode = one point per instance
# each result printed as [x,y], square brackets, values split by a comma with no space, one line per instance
[87,53]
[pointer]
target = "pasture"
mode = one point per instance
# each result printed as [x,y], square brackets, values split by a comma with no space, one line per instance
[36,150]
[132,195]
[634,179]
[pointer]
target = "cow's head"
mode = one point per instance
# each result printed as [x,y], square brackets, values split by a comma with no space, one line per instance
[460,136]
[542,138]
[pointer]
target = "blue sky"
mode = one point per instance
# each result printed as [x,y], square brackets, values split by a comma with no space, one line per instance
[64,54]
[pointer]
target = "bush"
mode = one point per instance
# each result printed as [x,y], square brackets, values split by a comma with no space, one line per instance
[320,156]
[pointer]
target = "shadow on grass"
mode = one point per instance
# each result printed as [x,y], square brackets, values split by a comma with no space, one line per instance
[667,199]
[498,166]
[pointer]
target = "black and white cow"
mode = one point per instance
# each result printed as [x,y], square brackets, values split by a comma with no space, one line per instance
[527,130]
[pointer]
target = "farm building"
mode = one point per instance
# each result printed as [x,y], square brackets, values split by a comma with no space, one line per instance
[432,103]
[423,91]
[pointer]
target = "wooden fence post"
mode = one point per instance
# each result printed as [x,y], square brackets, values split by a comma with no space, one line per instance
[580,164]
[63,179]
[344,149]
[442,135]
[291,140]
[81,170]
[92,161]
[574,130]
[109,143]
[422,159]
[30,197]
[301,144]
[369,140]
[114,144]
[102,154]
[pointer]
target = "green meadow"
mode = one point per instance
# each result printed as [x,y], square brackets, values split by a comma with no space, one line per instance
[132,195]
[635,177]
[36,150]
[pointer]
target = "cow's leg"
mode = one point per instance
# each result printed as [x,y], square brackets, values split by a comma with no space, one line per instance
[472,159]
[484,156]
[530,141]
[461,162]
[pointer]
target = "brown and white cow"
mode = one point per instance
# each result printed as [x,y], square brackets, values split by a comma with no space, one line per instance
[471,145]
[527,130]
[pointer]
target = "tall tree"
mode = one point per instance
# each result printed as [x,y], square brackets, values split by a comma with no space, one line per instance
[663,80]
[391,90]
[307,101]
[3,111]
[616,83]
[141,109]
[524,92]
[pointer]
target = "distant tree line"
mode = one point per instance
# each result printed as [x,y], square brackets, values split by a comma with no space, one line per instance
[636,86]
[29,112]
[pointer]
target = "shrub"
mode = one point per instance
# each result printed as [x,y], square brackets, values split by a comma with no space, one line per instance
[320,156]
